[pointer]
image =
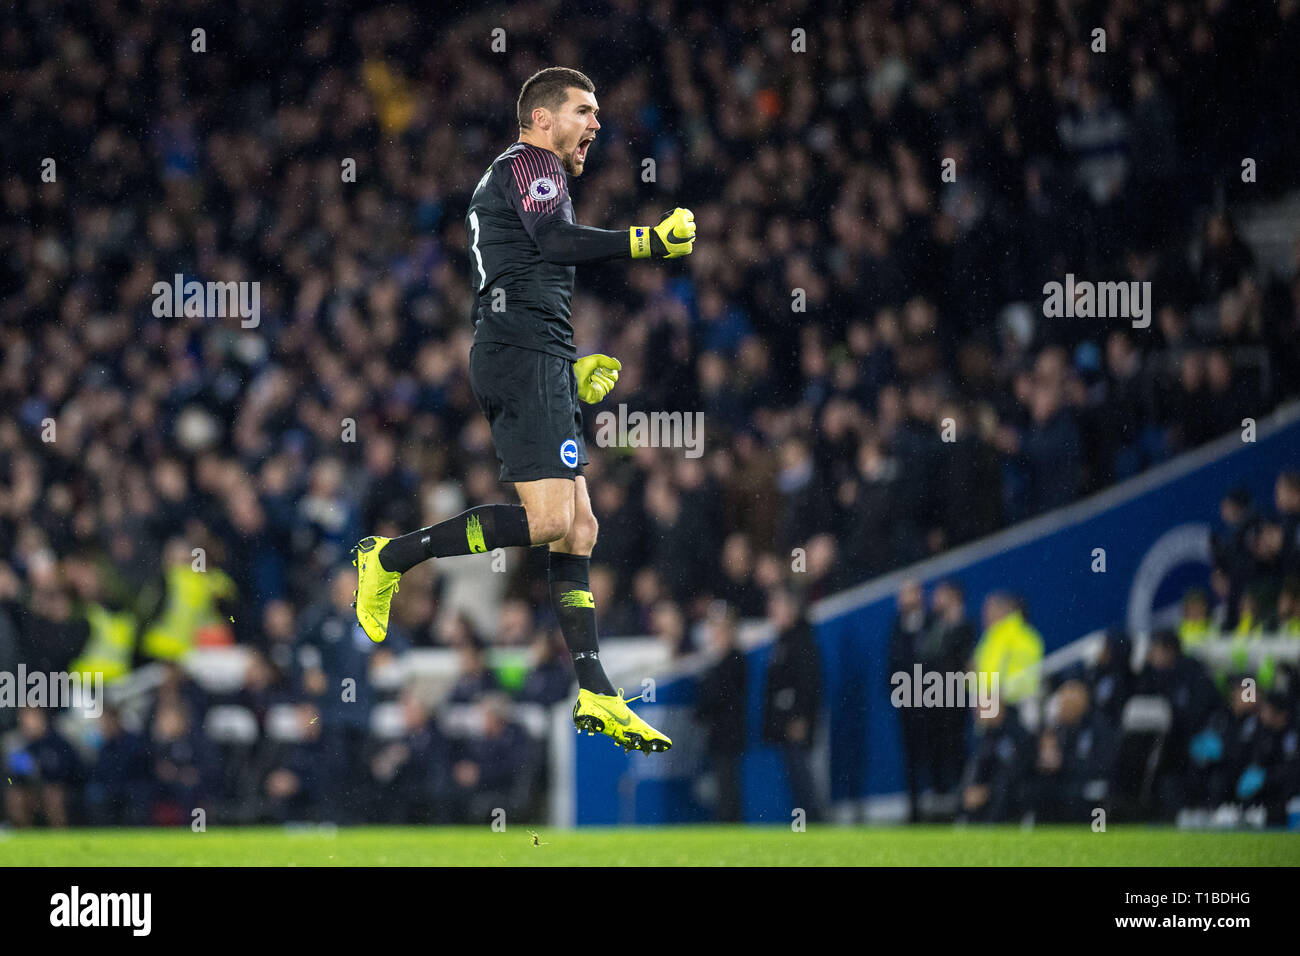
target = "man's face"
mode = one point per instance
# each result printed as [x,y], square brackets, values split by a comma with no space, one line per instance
[910,598]
[573,127]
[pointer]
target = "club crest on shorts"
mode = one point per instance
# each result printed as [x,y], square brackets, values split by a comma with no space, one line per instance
[542,189]
[569,453]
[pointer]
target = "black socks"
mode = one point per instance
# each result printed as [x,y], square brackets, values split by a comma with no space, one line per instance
[489,527]
[480,529]
[574,606]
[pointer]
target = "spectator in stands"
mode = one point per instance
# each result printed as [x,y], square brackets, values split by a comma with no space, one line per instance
[647,592]
[278,634]
[494,769]
[1265,759]
[1075,758]
[720,706]
[868,499]
[1222,607]
[804,503]
[412,770]
[792,694]
[475,678]
[1212,779]
[265,686]
[178,689]
[1266,548]
[335,656]
[550,675]
[50,633]
[1252,613]
[184,766]
[1050,452]
[1229,544]
[1109,679]
[45,771]
[1195,625]
[1288,608]
[616,616]
[919,453]
[298,776]
[668,626]
[117,785]
[1192,699]
[736,585]
[1286,498]
[515,624]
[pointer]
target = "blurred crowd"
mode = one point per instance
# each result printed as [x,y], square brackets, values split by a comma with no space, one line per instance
[281,745]
[864,336]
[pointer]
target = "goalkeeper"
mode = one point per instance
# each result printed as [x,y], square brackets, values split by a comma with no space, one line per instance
[528,380]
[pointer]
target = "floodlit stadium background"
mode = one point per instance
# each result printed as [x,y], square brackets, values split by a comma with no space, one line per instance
[815,177]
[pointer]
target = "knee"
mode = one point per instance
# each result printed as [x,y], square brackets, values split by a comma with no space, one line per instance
[582,534]
[550,525]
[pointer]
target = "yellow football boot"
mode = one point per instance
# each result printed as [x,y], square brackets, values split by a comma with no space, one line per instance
[375,588]
[610,715]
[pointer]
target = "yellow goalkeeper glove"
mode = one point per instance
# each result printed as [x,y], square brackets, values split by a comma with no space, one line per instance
[673,238]
[596,376]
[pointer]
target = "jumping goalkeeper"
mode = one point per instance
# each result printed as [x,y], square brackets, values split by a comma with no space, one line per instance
[528,380]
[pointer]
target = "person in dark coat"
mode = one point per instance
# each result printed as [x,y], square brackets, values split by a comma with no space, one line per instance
[1262,760]
[792,697]
[413,768]
[994,783]
[117,786]
[720,705]
[493,769]
[332,650]
[1110,679]
[294,775]
[43,771]
[1075,758]
[184,766]
[1051,452]
[550,676]
[475,678]
[1193,699]
[910,624]
[945,646]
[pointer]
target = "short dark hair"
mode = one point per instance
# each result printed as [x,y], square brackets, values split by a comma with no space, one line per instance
[548,89]
[953,585]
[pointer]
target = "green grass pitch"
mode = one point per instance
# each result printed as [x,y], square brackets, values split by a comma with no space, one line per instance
[669,846]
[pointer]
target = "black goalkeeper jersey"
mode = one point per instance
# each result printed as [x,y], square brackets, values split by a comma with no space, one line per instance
[523,246]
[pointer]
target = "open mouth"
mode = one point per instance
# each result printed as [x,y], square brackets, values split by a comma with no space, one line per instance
[581,151]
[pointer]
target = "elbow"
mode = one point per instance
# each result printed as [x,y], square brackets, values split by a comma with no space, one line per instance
[548,246]
[552,244]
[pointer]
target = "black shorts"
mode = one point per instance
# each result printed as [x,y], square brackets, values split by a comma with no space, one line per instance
[530,399]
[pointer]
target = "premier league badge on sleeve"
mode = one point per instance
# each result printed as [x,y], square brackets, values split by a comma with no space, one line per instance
[543,189]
